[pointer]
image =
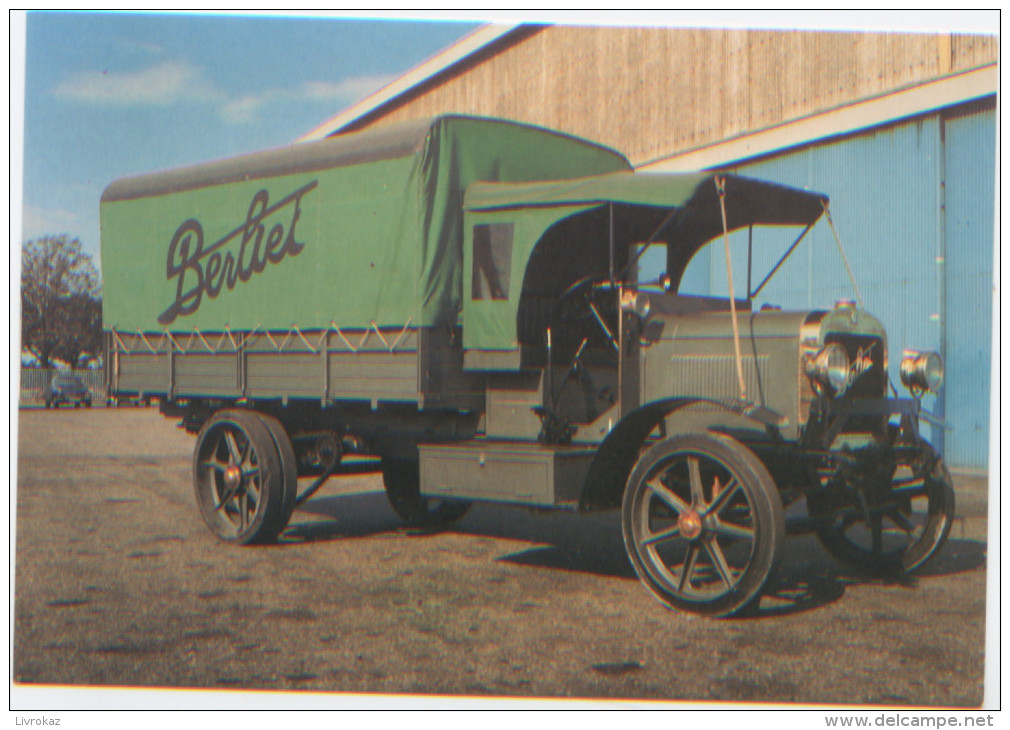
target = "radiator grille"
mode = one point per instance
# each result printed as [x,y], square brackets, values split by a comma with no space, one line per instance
[714,376]
[871,383]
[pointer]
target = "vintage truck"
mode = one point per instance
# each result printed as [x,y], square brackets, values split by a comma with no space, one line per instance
[461,297]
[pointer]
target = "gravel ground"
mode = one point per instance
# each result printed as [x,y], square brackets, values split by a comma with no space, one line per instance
[120,584]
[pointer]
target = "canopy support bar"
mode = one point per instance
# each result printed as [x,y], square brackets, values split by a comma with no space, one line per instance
[787,254]
[845,260]
[651,240]
[610,210]
[720,184]
[750,257]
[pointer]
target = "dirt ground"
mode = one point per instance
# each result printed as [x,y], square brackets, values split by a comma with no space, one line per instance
[119,583]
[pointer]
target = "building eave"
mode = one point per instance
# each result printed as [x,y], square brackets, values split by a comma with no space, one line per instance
[900,104]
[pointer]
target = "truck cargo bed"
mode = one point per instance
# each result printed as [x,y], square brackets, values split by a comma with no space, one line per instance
[398,365]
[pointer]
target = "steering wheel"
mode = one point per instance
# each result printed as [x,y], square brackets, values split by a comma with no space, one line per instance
[585,309]
[574,304]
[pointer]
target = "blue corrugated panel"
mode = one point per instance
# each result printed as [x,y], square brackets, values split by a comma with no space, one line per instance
[970,185]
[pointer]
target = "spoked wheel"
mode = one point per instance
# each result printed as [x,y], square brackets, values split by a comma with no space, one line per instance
[239,478]
[703,523]
[403,479]
[894,530]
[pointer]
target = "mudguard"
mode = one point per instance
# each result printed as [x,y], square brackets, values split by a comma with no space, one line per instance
[616,457]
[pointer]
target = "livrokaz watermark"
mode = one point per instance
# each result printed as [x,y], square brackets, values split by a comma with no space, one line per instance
[899,720]
[38,721]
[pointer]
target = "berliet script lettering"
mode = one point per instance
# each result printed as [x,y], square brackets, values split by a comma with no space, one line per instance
[200,270]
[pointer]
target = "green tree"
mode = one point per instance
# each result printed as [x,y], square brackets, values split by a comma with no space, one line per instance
[60,307]
[80,327]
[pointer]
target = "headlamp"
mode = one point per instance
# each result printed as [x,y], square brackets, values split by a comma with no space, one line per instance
[921,371]
[829,370]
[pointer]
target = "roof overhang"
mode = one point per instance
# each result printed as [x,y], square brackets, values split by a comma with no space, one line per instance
[904,103]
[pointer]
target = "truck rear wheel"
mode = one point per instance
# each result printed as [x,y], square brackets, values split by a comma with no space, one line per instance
[289,463]
[403,479]
[239,478]
[703,523]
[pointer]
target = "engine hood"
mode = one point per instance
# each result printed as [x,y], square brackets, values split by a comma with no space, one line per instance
[689,352]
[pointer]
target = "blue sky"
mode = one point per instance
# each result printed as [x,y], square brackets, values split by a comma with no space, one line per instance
[111,94]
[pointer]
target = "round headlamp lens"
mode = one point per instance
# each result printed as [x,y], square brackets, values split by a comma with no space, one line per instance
[830,369]
[922,371]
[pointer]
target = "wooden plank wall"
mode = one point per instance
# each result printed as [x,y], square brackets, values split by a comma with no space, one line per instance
[652,92]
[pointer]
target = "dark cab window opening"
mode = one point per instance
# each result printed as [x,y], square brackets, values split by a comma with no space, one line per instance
[492,261]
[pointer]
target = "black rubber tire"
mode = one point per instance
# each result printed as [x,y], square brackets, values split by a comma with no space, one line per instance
[251,509]
[402,479]
[289,463]
[850,540]
[714,554]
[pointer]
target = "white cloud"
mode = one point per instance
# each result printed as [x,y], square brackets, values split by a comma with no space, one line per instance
[173,82]
[37,222]
[166,83]
[349,89]
[246,108]
[152,49]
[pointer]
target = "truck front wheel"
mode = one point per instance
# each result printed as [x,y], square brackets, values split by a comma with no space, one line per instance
[402,479]
[239,478]
[703,523]
[897,526]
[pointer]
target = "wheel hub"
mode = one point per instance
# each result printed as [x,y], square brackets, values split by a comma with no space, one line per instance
[689,524]
[232,477]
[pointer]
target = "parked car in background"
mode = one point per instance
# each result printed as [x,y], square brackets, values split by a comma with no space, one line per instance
[67,388]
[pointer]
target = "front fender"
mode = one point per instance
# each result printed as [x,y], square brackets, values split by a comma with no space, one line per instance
[604,485]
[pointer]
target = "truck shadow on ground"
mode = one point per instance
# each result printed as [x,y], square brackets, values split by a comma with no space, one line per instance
[799,584]
[808,578]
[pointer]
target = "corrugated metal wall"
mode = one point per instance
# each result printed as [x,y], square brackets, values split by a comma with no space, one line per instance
[970,152]
[887,189]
